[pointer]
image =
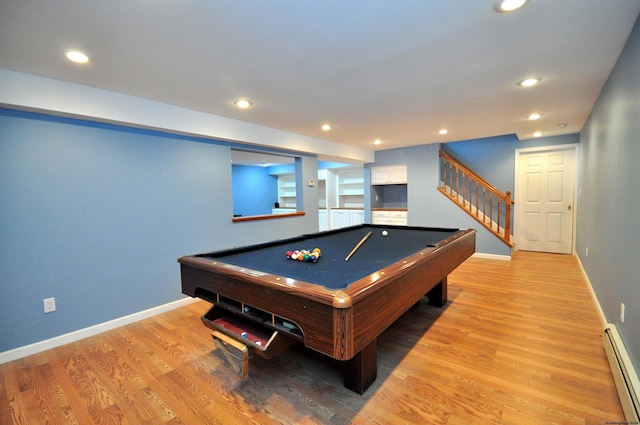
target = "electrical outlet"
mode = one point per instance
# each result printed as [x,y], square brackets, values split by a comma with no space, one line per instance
[49,305]
[621,313]
[586,252]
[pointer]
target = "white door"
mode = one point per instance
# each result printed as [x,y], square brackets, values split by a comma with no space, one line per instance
[545,199]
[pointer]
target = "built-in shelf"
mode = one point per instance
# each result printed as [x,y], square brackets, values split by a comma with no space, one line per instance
[287,190]
[350,188]
[340,197]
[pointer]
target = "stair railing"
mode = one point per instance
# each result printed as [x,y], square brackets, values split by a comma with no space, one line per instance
[480,199]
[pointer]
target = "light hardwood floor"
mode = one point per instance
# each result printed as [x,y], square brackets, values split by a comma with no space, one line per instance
[518,343]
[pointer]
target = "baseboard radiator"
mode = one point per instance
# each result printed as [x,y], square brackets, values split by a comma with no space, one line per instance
[624,374]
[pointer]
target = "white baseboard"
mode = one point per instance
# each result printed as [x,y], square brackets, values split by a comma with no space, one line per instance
[594,298]
[491,256]
[37,347]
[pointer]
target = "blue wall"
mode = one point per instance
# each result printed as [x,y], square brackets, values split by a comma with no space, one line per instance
[254,191]
[96,215]
[608,219]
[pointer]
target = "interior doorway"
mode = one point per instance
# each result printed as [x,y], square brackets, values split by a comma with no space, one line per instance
[545,198]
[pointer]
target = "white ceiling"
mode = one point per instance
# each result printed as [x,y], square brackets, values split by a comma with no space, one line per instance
[394,70]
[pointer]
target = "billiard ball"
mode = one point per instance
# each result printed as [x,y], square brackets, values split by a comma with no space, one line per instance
[385,233]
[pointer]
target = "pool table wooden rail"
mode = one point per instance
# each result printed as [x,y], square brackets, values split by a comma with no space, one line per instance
[424,273]
[338,323]
[309,311]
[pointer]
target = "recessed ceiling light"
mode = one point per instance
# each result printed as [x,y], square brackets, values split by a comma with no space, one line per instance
[77,56]
[562,125]
[534,117]
[529,82]
[326,127]
[506,6]
[538,134]
[242,103]
[443,131]
[377,142]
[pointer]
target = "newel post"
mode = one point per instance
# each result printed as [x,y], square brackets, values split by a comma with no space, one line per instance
[507,219]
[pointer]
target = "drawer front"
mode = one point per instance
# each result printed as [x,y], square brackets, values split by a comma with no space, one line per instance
[265,341]
[389,214]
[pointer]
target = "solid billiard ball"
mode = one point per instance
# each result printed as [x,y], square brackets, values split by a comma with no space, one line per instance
[385,233]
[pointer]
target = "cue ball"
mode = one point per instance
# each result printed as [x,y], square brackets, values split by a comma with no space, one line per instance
[385,233]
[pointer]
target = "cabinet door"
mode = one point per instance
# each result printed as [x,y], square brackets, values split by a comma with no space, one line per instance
[379,175]
[356,217]
[398,174]
[323,220]
[339,218]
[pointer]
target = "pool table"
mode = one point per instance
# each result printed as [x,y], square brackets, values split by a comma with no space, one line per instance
[333,306]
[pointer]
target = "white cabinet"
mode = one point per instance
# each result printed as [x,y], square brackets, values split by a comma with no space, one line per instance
[323,220]
[390,174]
[393,218]
[356,217]
[339,218]
[344,217]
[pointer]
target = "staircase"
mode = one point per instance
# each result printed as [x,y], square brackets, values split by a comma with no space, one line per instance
[481,200]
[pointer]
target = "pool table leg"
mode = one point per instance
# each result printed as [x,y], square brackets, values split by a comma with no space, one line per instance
[362,369]
[438,295]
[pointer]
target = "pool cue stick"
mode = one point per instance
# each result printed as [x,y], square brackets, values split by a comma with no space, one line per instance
[359,245]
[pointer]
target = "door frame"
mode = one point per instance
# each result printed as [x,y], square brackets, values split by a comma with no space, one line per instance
[518,180]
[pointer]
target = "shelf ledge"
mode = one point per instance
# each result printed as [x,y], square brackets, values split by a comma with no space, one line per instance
[267,216]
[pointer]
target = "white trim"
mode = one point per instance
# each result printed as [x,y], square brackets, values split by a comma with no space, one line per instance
[594,298]
[491,256]
[516,182]
[57,341]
